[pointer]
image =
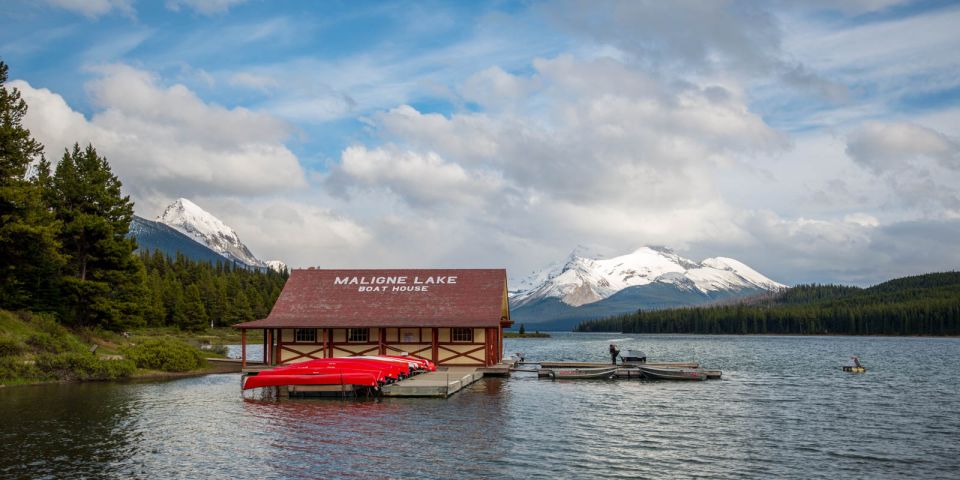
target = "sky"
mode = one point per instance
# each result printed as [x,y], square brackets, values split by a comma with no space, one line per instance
[815,141]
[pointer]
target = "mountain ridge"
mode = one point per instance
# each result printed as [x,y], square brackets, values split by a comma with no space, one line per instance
[582,288]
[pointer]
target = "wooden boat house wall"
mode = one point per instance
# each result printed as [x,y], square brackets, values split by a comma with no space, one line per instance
[452,317]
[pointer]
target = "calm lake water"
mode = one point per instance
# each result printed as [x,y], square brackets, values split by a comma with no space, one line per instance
[783,409]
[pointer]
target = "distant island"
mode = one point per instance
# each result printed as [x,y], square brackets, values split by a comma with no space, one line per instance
[522,333]
[918,305]
[525,335]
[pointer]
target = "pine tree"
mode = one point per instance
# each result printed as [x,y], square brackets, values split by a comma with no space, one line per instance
[104,284]
[195,316]
[30,261]
[241,311]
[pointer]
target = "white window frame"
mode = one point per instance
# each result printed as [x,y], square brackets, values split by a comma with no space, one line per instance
[353,338]
[300,335]
[468,338]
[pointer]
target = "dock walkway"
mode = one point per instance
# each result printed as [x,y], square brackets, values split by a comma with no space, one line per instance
[622,365]
[441,383]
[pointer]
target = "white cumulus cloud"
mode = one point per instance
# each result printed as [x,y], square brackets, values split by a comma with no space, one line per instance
[166,141]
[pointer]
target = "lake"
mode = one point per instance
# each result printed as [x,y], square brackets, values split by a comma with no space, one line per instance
[783,410]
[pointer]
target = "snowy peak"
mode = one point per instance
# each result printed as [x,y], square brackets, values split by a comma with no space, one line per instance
[206,229]
[277,265]
[581,280]
[188,215]
[750,275]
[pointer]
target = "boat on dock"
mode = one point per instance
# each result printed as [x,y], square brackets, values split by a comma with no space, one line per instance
[356,378]
[633,356]
[581,373]
[661,373]
[354,375]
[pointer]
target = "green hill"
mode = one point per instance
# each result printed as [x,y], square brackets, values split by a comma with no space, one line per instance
[919,305]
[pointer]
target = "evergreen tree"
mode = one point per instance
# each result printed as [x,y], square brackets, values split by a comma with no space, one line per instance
[104,281]
[195,315]
[241,311]
[30,260]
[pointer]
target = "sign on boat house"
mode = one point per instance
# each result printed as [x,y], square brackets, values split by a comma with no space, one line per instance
[452,317]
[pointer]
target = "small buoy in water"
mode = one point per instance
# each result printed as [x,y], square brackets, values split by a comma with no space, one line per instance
[857,367]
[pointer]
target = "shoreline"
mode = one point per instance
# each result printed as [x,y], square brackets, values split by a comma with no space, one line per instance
[773,334]
[147,376]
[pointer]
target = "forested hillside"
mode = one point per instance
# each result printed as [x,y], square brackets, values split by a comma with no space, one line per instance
[192,294]
[919,305]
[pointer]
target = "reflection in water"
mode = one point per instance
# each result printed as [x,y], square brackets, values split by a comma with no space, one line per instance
[784,409]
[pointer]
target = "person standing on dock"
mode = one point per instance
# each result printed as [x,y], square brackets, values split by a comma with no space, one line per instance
[614,352]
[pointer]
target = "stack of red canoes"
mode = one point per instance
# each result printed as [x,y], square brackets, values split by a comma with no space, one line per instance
[363,371]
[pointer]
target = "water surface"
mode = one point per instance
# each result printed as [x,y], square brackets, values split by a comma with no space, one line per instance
[784,409]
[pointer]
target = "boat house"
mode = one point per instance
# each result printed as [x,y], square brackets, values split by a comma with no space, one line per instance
[451,317]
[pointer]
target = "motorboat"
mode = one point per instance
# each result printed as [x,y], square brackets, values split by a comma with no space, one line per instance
[581,373]
[661,373]
[857,367]
[633,356]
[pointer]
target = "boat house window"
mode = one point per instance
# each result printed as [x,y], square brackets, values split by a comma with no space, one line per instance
[358,335]
[462,335]
[305,335]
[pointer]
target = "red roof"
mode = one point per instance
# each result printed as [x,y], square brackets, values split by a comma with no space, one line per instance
[388,298]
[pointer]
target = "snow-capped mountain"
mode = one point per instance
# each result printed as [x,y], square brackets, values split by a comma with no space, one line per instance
[206,229]
[581,280]
[276,265]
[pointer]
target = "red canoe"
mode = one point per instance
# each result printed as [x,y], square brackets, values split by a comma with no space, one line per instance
[389,370]
[356,378]
[409,363]
[424,363]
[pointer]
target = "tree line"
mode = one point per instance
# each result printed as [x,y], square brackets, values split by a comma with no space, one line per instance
[192,294]
[919,305]
[65,249]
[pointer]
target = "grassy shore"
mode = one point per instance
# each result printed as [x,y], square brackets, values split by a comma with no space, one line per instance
[36,349]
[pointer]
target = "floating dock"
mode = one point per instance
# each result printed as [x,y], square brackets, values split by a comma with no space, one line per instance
[598,365]
[441,383]
[628,372]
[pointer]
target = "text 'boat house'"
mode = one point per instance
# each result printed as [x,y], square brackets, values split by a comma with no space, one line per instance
[452,317]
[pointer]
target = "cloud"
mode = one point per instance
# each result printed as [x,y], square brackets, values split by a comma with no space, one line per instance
[297,231]
[166,140]
[700,35]
[592,132]
[920,165]
[585,151]
[256,82]
[493,86]
[894,146]
[204,7]
[95,8]
[421,179]
[854,250]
